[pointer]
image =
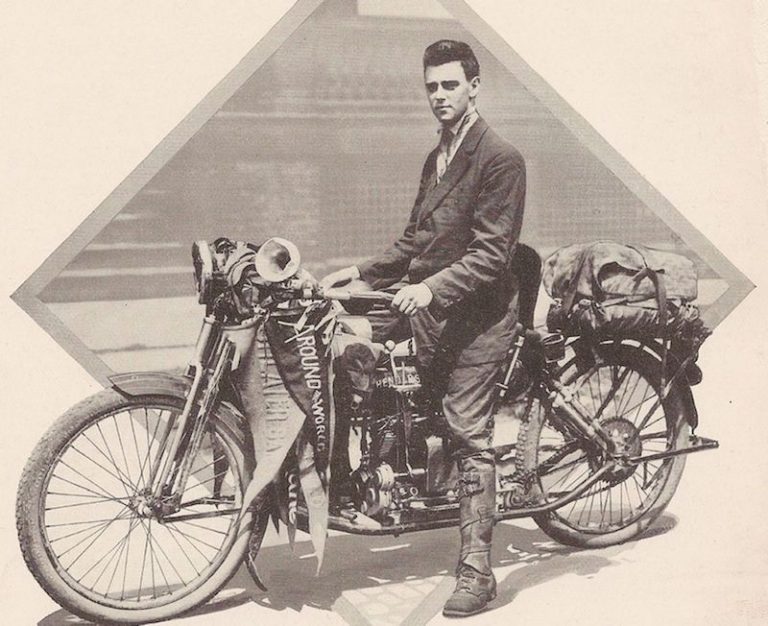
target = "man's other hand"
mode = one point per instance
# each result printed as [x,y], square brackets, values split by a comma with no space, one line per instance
[340,277]
[412,298]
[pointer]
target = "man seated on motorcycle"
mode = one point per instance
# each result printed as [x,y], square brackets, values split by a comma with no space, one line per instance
[453,262]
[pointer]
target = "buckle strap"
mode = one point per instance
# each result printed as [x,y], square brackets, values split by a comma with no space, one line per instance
[468,484]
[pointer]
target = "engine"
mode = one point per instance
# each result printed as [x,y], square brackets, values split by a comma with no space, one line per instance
[404,463]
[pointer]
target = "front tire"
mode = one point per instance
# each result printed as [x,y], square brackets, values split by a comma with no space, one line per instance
[82,520]
[623,504]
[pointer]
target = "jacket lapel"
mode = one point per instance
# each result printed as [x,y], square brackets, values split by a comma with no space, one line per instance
[456,169]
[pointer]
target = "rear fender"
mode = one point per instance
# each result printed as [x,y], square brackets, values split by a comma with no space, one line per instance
[683,382]
[652,351]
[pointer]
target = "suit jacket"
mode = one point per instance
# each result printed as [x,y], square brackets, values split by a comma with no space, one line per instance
[459,241]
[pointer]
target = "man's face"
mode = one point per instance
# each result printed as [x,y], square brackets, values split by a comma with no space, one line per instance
[449,91]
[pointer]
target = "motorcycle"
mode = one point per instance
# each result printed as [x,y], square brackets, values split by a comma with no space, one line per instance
[138,503]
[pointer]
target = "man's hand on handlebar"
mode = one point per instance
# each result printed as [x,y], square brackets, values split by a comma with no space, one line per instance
[340,277]
[408,300]
[412,298]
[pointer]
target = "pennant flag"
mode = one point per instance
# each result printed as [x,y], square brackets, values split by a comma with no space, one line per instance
[300,347]
[287,397]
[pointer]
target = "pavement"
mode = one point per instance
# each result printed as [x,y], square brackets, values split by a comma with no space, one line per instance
[389,581]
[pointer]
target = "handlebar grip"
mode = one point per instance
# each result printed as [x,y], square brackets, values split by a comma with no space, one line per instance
[345,296]
[382,296]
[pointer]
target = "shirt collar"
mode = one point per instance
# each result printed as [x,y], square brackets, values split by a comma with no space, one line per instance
[469,117]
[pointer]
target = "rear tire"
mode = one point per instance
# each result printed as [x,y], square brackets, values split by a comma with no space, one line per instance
[78,492]
[622,506]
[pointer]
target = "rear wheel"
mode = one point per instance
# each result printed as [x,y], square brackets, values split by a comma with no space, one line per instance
[623,390]
[89,528]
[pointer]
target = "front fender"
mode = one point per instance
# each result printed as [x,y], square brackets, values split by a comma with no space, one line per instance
[177,385]
[140,383]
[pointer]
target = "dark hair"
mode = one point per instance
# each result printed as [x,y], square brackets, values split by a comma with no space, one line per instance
[447,50]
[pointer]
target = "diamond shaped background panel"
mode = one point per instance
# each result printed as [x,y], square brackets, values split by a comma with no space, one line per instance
[323,145]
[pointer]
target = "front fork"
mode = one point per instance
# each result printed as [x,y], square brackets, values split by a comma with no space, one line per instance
[213,358]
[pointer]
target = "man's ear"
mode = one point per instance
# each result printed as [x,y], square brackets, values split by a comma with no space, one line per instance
[474,86]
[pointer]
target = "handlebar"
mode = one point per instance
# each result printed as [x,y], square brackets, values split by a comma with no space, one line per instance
[346,296]
[283,291]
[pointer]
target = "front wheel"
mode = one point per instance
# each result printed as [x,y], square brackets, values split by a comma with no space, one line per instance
[85,517]
[623,388]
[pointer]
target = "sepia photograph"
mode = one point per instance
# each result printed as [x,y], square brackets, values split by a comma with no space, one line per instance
[385,312]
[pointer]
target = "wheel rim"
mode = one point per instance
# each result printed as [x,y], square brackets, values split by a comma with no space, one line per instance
[629,408]
[96,524]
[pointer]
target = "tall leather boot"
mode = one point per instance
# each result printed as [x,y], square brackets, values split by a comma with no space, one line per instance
[341,482]
[475,583]
[342,488]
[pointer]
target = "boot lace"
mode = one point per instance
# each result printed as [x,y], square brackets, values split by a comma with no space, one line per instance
[466,578]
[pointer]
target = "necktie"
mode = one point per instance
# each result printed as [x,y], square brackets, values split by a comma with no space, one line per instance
[446,141]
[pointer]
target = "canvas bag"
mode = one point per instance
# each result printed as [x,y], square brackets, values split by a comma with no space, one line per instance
[616,289]
[608,270]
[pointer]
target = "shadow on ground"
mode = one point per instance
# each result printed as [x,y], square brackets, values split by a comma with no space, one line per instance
[355,562]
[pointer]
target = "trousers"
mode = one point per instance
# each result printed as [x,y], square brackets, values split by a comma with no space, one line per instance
[468,389]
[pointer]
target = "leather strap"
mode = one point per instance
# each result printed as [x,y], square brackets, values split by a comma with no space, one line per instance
[661,298]
[573,286]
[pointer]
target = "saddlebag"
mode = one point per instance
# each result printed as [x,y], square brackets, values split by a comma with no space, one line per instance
[608,288]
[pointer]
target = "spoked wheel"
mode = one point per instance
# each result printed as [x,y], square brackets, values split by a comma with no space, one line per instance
[623,391]
[91,532]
